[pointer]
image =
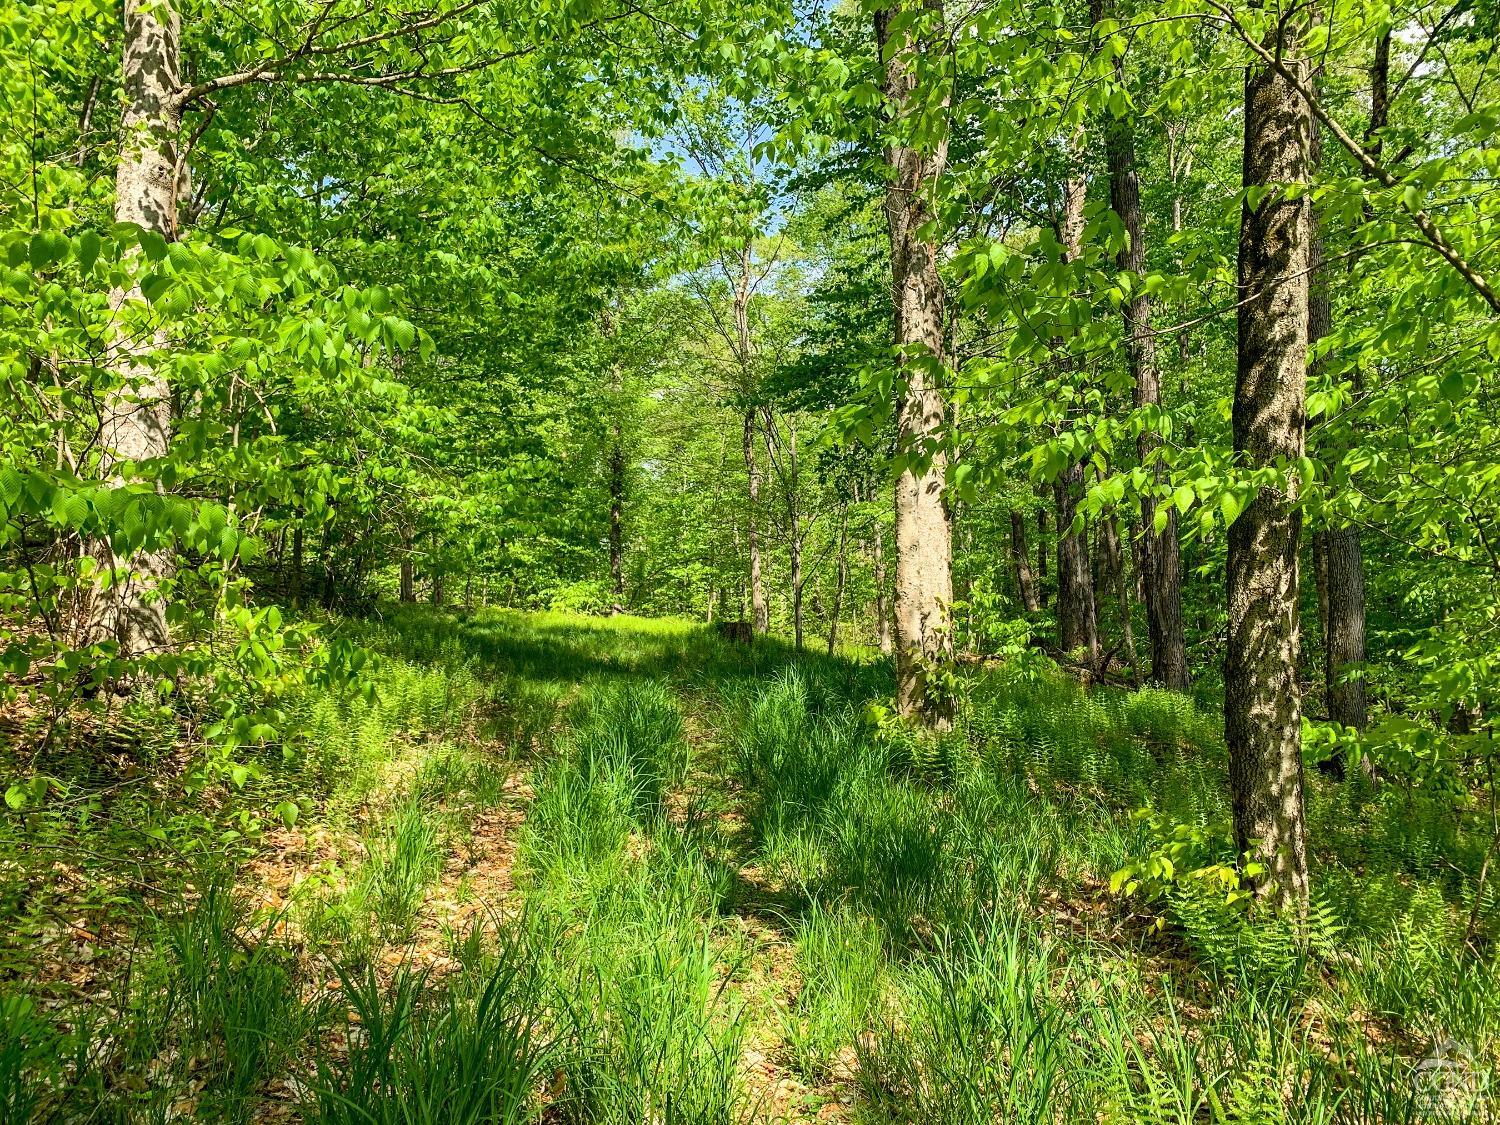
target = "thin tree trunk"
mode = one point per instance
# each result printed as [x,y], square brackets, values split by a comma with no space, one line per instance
[1077,610]
[1113,565]
[1345,649]
[1041,555]
[437,590]
[1077,613]
[1025,583]
[796,561]
[137,419]
[1160,557]
[330,587]
[1262,700]
[760,612]
[616,522]
[882,617]
[840,582]
[408,579]
[790,480]
[298,552]
[1179,163]
[924,543]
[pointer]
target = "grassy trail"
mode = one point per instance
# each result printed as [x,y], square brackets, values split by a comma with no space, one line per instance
[572,870]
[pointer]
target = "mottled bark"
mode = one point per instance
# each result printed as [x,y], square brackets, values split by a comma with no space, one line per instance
[1021,559]
[1077,610]
[1160,558]
[137,418]
[924,544]
[1262,702]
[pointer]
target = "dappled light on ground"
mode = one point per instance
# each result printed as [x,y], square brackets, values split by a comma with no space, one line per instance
[566,869]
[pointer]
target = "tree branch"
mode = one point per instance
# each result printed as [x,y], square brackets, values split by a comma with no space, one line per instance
[1366,160]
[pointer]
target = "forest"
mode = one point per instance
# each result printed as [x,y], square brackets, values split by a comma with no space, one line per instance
[674,562]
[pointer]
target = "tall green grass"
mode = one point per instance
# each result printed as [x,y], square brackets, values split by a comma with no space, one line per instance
[722,849]
[623,902]
[467,1053]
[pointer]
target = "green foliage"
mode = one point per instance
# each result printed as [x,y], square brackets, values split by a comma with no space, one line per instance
[469,1053]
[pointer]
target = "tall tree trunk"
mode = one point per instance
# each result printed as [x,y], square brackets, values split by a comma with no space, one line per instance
[616,522]
[1339,554]
[137,419]
[1025,583]
[924,542]
[437,590]
[1077,610]
[1160,557]
[760,612]
[1262,701]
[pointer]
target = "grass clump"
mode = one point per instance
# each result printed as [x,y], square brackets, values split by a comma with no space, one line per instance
[468,1053]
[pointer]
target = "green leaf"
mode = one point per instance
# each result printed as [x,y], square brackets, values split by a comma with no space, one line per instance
[48,249]
[89,245]
[153,245]
[1230,505]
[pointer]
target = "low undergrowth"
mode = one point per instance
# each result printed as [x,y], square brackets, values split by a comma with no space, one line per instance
[570,870]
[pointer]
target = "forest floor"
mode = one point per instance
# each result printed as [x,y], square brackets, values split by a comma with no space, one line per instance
[571,869]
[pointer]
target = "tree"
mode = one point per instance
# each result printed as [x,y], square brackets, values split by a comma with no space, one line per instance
[1161,562]
[1077,606]
[1262,703]
[130,609]
[915,159]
